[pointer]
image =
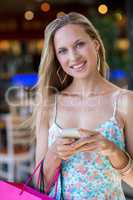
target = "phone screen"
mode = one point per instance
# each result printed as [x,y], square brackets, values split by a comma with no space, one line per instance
[70,132]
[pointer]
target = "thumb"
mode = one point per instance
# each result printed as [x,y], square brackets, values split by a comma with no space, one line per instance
[85,133]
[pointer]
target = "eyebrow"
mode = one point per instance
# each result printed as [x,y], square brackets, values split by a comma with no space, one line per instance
[78,40]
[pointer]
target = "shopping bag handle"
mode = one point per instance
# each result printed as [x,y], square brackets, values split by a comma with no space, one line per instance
[55,178]
[30,177]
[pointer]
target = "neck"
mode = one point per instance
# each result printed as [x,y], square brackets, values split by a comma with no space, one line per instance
[91,85]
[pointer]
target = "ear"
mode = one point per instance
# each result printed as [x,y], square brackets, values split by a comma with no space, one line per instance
[96,45]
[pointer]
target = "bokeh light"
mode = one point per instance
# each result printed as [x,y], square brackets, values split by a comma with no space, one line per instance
[29,15]
[45,7]
[118,16]
[102,9]
[122,44]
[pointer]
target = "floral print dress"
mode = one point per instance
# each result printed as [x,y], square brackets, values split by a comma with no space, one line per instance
[90,176]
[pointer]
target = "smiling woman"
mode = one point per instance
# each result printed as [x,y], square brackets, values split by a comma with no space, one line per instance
[80,53]
[93,155]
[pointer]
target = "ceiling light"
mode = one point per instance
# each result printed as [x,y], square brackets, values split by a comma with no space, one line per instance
[102,9]
[45,7]
[29,15]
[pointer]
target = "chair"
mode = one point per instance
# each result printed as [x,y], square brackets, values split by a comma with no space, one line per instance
[18,154]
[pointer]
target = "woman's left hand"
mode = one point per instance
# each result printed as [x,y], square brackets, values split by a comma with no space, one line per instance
[94,141]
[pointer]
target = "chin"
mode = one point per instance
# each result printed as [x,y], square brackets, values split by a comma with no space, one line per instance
[85,74]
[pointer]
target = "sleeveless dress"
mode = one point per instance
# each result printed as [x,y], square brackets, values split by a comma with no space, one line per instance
[90,176]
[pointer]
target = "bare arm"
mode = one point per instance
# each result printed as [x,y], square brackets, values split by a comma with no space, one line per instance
[51,162]
[61,148]
[119,158]
[129,133]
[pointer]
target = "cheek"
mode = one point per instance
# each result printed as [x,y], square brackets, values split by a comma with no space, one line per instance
[63,60]
[91,55]
[90,51]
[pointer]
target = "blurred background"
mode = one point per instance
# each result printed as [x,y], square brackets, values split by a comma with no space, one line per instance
[22,24]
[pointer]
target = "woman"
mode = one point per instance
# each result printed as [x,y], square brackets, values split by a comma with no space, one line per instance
[75,94]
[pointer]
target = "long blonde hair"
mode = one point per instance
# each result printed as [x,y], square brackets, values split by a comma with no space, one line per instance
[48,80]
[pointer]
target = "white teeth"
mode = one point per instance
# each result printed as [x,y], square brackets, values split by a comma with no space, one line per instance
[77,66]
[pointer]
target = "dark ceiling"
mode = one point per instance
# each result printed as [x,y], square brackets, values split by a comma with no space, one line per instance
[19,6]
[13,24]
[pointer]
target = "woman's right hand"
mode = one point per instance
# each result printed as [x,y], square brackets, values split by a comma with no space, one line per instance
[62,148]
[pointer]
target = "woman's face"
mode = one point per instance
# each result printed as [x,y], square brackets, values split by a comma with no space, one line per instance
[76,51]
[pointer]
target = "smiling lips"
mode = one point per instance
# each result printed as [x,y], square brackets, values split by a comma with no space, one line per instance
[79,67]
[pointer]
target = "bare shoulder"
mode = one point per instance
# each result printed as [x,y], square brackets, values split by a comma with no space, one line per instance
[126,103]
[127,95]
[125,100]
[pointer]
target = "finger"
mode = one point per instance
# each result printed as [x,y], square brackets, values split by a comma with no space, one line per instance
[66,154]
[65,148]
[102,145]
[66,141]
[84,141]
[106,146]
[87,133]
[88,148]
[79,143]
[94,138]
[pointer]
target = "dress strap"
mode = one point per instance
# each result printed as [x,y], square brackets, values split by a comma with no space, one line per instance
[116,104]
[55,108]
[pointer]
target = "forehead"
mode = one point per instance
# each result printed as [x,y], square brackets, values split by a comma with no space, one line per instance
[68,34]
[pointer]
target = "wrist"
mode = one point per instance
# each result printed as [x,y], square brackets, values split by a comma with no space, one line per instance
[118,159]
[124,164]
[54,157]
[128,167]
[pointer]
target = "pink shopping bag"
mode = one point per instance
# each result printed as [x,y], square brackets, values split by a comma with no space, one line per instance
[20,191]
[11,191]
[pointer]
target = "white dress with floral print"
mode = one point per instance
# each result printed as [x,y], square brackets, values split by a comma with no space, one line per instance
[90,176]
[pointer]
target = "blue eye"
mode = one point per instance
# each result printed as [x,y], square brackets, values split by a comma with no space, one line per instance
[62,51]
[80,44]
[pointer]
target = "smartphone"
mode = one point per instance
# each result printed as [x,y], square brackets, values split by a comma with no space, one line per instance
[70,133]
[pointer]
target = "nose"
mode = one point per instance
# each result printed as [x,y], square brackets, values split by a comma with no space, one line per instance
[73,55]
